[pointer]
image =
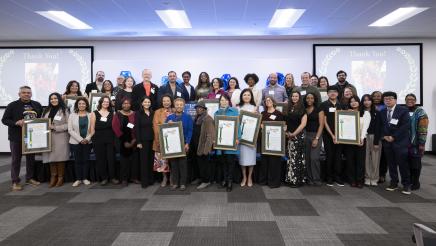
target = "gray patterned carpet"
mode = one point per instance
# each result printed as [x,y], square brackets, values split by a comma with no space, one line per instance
[113,215]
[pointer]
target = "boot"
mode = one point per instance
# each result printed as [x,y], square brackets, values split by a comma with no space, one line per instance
[53,174]
[61,172]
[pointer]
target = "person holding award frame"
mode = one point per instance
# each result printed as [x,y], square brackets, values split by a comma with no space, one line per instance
[314,127]
[160,115]
[228,157]
[179,168]
[144,137]
[296,121]
[79,128]
[332,148]
[127,92]
[355,154]
[217,89]
[123,125]
[271,165]
[72,89]
[14,116]
[57,112]
[103,140]
[247,157]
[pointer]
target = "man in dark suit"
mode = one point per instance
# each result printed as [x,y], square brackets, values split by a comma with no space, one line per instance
[396,138]
[146,88]
[172,88]
[189,89]
[97,84]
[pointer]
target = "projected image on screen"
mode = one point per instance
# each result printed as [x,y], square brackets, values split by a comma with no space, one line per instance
[45,70]
[373,67]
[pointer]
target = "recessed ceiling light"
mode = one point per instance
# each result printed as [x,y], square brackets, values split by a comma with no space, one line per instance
[398,16]
[283,18]
[65,19]
[174,18]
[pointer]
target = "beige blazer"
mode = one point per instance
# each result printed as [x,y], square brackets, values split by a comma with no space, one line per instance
[74,130]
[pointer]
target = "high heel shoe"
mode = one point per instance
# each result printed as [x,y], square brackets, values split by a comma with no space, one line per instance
[229,186]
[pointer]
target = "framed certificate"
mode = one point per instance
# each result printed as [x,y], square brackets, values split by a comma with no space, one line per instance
[250,125]
[347,127]
[226,130]
[282,107]
[36,136]
[93,100]
[212,106]
[324,96]
[273,138]
[171,139]
[70,101]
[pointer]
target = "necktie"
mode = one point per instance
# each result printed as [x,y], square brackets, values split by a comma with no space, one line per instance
[389,115]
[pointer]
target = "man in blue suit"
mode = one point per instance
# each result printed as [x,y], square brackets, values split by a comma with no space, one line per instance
[396,138]
[172,88]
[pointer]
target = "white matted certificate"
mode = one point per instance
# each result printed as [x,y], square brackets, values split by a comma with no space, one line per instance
[250,125]
[273,138]
[212,106]
[226,128]
[36,136]
[347,129]
[171,140]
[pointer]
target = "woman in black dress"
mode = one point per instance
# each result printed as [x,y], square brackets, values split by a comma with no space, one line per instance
[144,138]
[103,140]
[296,121]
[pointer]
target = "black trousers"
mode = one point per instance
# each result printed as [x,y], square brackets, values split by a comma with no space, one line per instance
[355,156]
[146,161]
[397,159]
[228,166]
[415,166]
[193,164]
[81,160]
[205,165]
[270,170]
[129,168]
[179,170]
[16,154]
[334,159]
[105,160]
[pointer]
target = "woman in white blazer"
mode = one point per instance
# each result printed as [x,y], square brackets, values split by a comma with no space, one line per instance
[234,91]
[80,139]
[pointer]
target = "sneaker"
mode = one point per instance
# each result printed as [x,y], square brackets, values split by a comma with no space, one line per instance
[406,191]
[32,182]
[392,187]
[16,187]
[202,186]
[330,184]
[103,183]
[374,182]
[196,182]
[86,182]
[340,183]
[182,187]
[77,183]
[115,181]
[367,182]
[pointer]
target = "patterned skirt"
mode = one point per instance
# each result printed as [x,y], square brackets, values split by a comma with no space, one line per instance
[296,164]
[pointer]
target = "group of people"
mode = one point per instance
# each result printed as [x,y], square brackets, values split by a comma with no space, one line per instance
[127,119]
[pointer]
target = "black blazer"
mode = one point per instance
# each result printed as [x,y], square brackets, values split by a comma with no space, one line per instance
[399,131]
[191,97]
[166,89]
[144,127]
[138,93]
[91,86]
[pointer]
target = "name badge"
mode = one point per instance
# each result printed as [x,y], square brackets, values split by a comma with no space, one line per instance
[179,94]
[271,92]
[217,95]
[272,117]
[332,110]
[303,93]
[94,91]
[130,125]
[58,117]
[410,114]
[394,121]
[152,90]
[104,119]
[112,97]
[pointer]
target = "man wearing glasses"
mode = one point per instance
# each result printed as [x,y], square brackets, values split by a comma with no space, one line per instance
[396,139]
[96,85]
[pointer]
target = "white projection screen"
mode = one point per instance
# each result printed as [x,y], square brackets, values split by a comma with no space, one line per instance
[371,67]
[44,69]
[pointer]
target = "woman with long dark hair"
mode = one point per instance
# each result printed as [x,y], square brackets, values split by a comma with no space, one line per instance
[58,114]
[296,121]
[103,140]
[144,138]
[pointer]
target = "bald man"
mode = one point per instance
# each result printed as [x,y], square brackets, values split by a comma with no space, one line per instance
[306,87]
[145,88]
[274,89]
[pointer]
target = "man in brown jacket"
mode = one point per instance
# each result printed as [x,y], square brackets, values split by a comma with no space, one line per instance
[203,137]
